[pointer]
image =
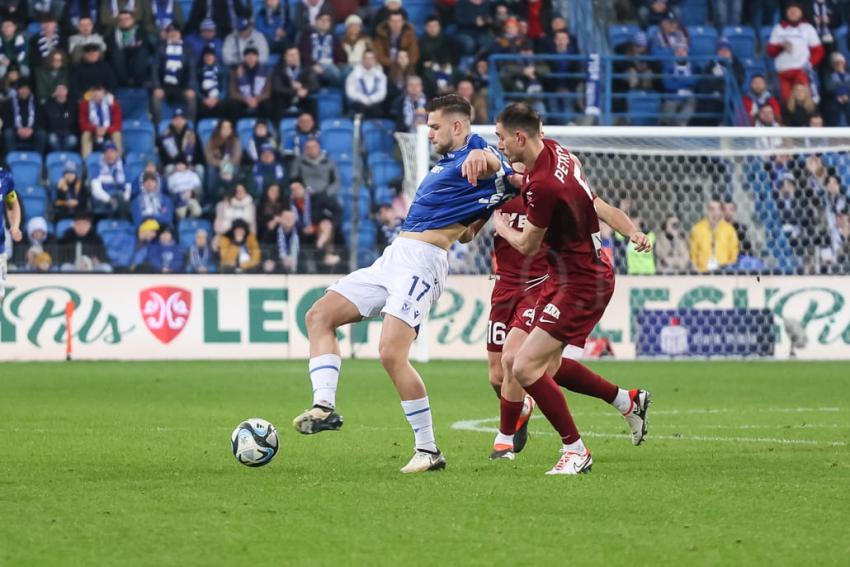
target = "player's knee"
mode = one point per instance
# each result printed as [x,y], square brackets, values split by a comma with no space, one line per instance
[522,371]
[496,375]
[508,359]
[391,357]
[318,318]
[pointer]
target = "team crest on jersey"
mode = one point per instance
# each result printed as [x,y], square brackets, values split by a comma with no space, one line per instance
[165,311]
[437,169]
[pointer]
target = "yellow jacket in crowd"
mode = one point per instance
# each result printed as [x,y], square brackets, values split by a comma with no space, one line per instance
[713,248]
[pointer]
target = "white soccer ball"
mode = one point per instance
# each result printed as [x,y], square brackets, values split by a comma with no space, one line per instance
[254,442]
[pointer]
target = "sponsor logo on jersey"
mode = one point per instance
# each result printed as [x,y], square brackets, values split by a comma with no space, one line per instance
[437,169]
[552,310]
[165,311]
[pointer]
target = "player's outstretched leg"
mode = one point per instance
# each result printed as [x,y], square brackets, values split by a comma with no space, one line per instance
[513,426]
[396,339]
[632,404]
[529,368]
[327,314]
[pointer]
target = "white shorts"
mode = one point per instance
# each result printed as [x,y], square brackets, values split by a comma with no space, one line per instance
[404,282]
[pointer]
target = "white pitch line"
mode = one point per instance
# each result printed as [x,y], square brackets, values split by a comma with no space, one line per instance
[710,411]
[477,425]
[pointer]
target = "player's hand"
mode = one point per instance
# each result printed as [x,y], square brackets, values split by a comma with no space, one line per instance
[515,180]
[641,242]
[500,223]
[16,234]
[474,165]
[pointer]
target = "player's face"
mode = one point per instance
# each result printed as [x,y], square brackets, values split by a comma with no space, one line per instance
[440,130]
[509,145]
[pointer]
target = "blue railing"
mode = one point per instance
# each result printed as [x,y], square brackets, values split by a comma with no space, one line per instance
[621,106]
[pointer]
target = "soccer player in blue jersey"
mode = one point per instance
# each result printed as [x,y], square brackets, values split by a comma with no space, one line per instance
[12,207]
[454,199]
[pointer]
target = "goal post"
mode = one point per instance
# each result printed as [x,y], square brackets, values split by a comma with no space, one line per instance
[783,190]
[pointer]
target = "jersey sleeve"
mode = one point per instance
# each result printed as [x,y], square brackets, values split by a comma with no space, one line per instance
[541,201]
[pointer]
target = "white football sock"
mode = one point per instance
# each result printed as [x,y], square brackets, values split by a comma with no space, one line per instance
[502,439]
[577,447]
[418,414]
[324,374]
[622,401]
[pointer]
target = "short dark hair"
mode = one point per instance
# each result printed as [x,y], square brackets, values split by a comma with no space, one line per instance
[451,104]
[520,116]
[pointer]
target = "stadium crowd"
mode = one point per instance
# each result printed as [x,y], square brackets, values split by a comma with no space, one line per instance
[213,135]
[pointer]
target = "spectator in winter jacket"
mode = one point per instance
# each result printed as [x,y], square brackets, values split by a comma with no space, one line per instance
[85,35]
[211,86]
[366,87]
[671,248]
[60,121]
[796,48]
[165,256]
[409,109]
[292,84]
[45,41]
[22,121]
[199,259]
[671,35]
[305,128]
[53,71]
[714,242]
[714,83]
[130,50]
[71,194]
[13,48]
[178,143]
[152,203]
[238,206]
[251,86]
[392,36]
[273,22]
[110,188]
[679,84]
[90,71]
[261,136]
[759,96]
[100,120]
[237,43]
[473,19]
[223,146]
[239,249]
[284,244]
[112,10]
[435,46]
[355,42]
[206,38]
[74,11]
[319,178]
[268,170]
[167,13]
[800,107]
[174,77]
[837,91]
[322,51]
[272,203]
[224,13]
[308,11]
[826,18]
[185,185]
[81,248]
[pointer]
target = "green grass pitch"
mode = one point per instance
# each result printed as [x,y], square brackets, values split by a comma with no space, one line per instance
[130,464]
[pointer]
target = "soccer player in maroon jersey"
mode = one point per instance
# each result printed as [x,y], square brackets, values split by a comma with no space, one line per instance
[561,211]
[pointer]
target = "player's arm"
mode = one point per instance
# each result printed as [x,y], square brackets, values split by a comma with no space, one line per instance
[620,221]
[13,213]
[528,241]
[480,164]
[472,231]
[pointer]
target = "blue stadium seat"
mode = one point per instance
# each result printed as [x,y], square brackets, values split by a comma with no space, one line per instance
[26,168]
[345,165]
[743,40]
[643,108]
[63,226]
[119,238]
[703,40]
[134,165]
[337,135]
[134,103]
[56,165]
[92,162]
[693,12]
[384,196]
[383,169]
[206,127]
[245,130]
[764,36]
[418,11]
[34,199]
[367,241]
[621,34]
[188,228]
[378,136]
[139,136]
[329,103]
[841,41]
[364,206]
[752,66]
[286,131]
[186,8]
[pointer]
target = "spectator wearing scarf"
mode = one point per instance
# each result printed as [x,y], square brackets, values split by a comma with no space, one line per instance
[100,120]
[366,87]
[292,84]
[251,86]
[22,128]
[166,13]
[287,244]
[175,78]
[758,96]
[225,14]
[200,259]
[152,202]
[273,23]
[323,51]
[75,10]
[393,35]
[165,256]
[141,10]
[109,187]
[237,43]
[205,39]
[409,109]
[211,86]
[45,41]
[13,48]
[130,50]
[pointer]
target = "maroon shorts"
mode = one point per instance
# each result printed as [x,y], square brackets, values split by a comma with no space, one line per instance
[511,305]
[569,313]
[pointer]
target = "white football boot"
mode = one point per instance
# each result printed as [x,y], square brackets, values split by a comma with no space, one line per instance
[423,461]
[572,462]
[636,416]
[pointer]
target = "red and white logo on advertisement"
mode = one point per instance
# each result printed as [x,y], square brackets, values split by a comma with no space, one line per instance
[165,310]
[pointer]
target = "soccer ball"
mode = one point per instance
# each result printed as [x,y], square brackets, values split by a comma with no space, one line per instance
[254,442]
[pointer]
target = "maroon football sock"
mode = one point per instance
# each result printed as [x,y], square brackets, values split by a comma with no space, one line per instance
[576,377]
[508,416]
[552,404]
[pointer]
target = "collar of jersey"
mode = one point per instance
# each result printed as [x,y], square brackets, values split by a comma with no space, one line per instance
[451,154]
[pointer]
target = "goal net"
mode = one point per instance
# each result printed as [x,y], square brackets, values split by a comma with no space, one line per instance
[717,201]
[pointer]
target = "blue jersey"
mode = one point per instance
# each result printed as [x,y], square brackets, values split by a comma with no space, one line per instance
[7,188]
[446,197]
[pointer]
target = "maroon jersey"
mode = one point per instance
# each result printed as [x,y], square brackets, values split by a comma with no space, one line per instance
[510,265]
[558,198]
